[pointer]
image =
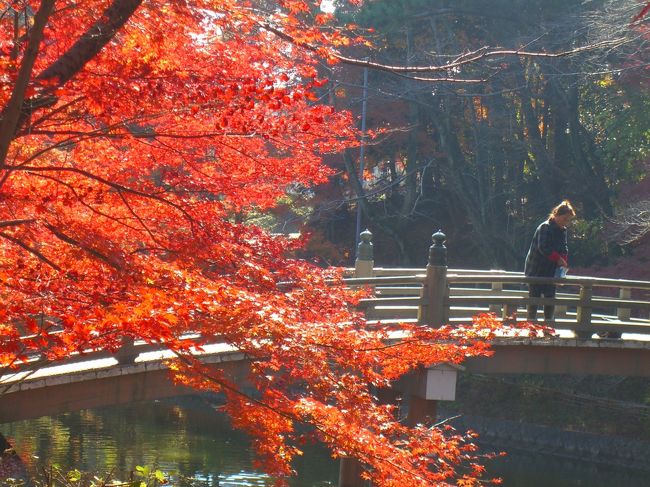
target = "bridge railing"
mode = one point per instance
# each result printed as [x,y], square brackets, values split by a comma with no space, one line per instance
[436,295]
[127,354]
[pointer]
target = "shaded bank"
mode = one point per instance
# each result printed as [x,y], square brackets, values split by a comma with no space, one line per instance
[11,465]
[512,436]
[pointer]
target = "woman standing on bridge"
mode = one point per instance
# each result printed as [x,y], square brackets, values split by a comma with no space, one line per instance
[548,252]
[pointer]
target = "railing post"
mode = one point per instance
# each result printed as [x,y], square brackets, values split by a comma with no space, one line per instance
[364,262]
[497,287]
[433,298]
[350,469]
[624,314]
[127,353]
[508,312]
[584,312]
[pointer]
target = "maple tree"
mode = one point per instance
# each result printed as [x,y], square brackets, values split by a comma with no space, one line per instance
[134,137]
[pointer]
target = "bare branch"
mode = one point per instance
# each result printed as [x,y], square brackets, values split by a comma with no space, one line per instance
[460,60]
[473,57]
[639,17]
[632,223]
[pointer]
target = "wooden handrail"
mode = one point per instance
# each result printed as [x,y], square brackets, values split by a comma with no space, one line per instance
[515,300]
[442,291]
[466,276]
[567,281]
[496,298]
[138,348]
[360,281]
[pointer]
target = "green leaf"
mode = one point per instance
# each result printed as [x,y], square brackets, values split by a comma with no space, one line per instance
[74,475]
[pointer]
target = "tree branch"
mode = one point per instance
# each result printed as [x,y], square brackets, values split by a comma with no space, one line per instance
[89,175]
[72,189]
[473,57]
[460,60]
[15,223]
[29,249]
[12,111]
[137,217]
[74,59]
[62,236]
[91,42]
[639,17]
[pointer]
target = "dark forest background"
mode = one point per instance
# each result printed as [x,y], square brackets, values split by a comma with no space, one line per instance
[486,161]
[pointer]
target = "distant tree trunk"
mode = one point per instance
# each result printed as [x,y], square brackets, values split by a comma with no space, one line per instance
[411,166]
[458,187]
[545,169]
[587,160]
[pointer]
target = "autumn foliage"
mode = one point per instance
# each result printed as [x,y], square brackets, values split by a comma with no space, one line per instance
[135,137]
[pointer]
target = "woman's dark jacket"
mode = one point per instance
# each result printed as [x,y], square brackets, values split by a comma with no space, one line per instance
[548,245]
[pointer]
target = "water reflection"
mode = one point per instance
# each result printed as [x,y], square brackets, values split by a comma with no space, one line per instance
[187,437]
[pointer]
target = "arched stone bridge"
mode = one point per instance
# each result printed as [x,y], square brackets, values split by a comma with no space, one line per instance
[588,309]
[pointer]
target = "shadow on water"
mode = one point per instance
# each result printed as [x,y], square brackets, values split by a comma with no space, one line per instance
[522,469]
[188,436]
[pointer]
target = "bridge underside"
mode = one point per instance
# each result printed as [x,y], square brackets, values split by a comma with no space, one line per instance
[565,356]
[106,385]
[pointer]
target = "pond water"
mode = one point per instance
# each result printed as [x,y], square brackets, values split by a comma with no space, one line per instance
[188,437]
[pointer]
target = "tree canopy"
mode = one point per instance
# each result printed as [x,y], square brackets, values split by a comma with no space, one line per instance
[135,138]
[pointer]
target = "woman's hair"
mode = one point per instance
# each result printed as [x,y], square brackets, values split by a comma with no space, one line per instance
[563,208]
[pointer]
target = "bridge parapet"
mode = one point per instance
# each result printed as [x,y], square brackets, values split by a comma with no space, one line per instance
[584,305]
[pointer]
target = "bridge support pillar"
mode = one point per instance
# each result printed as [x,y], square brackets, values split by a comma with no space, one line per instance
[350,469]
[350,473]
[421,411]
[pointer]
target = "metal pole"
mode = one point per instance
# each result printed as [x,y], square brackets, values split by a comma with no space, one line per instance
[362,148]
